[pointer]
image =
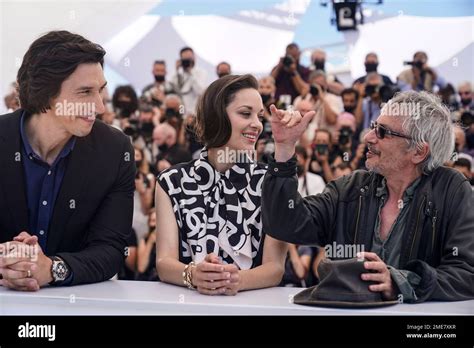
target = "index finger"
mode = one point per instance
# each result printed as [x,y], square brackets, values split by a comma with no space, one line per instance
[211,267]
[22,235]
[212,258]
[369,256]
[6,261]
[275,112]
[231,268]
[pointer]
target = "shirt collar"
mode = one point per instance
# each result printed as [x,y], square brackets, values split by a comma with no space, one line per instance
[29,150]
[239,174]
[382,190]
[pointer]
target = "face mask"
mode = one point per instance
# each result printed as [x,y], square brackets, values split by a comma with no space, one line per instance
[466,102]
[159,78]
[349,108]
[265,98]
[126,108]
[186,63]
[319,64]
[170,112]
[151,228]
[370,67]
[299,169]
[147,128]
[138,163]
[163,148]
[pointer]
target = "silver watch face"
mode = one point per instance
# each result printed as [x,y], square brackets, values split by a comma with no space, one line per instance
[59,270]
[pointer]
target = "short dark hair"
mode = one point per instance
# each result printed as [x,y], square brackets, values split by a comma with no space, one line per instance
[213,127]
[126,91]
[159,61]
[350,91]
[463,162]
[223,63]
[184,49]
[292,45]
[324,130]
[300,150]
[49,61]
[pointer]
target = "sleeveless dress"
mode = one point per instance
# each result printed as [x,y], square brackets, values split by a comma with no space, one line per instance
[217,212]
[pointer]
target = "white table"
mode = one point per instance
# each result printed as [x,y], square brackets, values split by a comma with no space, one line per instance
[153,298]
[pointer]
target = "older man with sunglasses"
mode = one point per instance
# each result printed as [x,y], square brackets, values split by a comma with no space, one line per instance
[413,217]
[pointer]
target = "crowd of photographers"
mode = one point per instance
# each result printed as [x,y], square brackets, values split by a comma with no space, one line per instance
[159,121]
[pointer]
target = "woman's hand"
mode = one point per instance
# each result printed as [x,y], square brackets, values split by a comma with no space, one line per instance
[210,276]
[235,280]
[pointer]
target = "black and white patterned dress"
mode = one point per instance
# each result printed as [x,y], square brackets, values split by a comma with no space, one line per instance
[217,212]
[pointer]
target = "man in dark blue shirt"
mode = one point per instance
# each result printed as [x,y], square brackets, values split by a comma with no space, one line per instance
[67,180]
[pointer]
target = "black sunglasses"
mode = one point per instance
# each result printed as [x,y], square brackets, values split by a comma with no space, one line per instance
[381,131]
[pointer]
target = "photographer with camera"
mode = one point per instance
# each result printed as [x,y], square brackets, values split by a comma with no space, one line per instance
[371,63]
[189,81]
[464,106]
[266,89]
[318,59]
[290,76]
[420,77]
[371,104]
[326,104]
[323,154]
[169,151]
[465,113]
[125,102]
[143,195]
[155,92]
[352,101]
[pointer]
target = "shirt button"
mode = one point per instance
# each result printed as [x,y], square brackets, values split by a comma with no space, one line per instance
[45,203]
[31,157]
[49,172]
[41,232]
[275,169]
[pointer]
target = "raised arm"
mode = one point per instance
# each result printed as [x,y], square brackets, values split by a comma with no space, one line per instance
[286,215]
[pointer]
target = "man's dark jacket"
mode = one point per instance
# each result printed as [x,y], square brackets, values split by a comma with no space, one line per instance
[93,212]
[438,243]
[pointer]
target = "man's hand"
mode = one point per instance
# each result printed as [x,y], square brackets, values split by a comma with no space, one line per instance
[287,128]
[381,275]
[28,272]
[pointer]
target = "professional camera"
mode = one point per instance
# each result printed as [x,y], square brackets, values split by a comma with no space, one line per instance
[387,92]
[287,61]
[467,118]
[314,90]
[416,63]
[371,89]
[345,135]
[186,63]
[132,129]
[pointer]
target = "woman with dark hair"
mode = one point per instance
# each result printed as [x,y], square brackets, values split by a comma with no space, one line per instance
[125,101]
[209,227]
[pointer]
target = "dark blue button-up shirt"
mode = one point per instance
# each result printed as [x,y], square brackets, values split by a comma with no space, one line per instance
[42,185]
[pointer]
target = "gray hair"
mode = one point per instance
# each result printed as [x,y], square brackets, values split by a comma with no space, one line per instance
[428,121]
[316,73]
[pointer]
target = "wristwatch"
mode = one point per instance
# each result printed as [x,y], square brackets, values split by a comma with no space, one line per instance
[59,270]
